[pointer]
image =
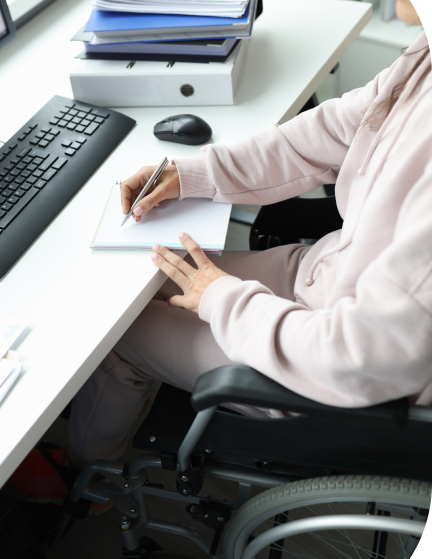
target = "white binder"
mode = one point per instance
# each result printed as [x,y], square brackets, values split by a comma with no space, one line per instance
[118,83]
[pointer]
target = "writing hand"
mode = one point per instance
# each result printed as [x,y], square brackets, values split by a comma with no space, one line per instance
[167,187]
[193,281]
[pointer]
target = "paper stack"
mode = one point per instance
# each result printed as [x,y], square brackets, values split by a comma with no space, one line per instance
[217,8]
[10,330]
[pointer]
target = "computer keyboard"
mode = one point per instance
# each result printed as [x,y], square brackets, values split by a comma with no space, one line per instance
[46,162]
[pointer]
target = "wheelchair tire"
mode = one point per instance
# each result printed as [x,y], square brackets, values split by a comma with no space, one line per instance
[405,499]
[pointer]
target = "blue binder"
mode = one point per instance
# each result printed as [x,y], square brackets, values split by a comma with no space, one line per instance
[105,23]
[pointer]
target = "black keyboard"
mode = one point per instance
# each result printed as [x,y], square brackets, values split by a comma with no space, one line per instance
[46,162]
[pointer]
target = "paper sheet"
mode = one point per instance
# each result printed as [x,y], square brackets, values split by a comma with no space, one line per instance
[9,372]
[216,8]
[204,220]
[10,329]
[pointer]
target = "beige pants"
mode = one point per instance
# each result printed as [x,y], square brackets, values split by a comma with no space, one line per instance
[168,344]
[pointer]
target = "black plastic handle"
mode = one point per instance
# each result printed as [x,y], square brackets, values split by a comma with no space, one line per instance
[240,384]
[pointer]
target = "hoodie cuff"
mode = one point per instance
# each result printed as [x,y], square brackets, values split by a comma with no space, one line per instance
[195,182]
[213,293]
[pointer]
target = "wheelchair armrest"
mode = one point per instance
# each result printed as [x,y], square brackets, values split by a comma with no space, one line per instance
[239,384]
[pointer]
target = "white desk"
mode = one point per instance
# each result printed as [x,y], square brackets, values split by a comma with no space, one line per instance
[79,302]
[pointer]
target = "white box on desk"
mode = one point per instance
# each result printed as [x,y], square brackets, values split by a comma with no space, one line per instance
[118,83]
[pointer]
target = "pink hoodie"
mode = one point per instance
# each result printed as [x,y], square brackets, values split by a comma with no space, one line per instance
[360,329]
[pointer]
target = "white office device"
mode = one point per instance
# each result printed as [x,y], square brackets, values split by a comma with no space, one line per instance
[118,83]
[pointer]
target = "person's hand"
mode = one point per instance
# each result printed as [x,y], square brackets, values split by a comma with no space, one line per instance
[168,186]
[192,281]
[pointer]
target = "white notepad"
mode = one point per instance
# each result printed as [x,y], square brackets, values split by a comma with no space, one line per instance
[204,220]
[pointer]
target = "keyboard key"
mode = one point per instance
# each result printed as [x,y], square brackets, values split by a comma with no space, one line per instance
[49,174]
[40,183]
[33,126]
[100,112]
[49,137]
[76,120]
[2,157]
[32,167]
[99,120]
[13,200]
[65,110]
[8,178]
[38,153]
[83,108]
[22,137]
[37,174]
[66,143]
[59,163]
[9,167]
[23,153]
[2,214]
[27,160]
[62,123]
[76,145]
[47,163]
[13,186]
[70,105]
[54,121]
[70,152]
[14,160]
[6,206]
[25,186]
[71,126]
[37,161]
[25,174]
[3,173]
[15,172]
[27,131]
[20,166]
[20,193]
[7,192]
[7,151]
[59,116]
[73,112]
[45,129]
[4,222]
[43,143]
[80,128]
[68,118]
[90,117]
[91,129]
[19,180]
[31,180]
[34,141]
[82,114]
[85,122]
[55,132]
[40,135]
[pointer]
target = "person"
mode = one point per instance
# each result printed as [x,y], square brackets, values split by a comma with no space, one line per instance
[347,321]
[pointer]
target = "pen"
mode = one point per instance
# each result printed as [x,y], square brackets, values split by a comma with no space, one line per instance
[159,170]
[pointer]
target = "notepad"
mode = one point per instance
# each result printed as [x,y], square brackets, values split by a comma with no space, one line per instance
[204,220]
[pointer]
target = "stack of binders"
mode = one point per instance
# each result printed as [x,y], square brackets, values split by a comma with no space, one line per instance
[135,56]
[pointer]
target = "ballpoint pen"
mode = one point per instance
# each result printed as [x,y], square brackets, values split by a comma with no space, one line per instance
[159,170]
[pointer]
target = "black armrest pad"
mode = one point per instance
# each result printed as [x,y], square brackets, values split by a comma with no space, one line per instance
[238,384]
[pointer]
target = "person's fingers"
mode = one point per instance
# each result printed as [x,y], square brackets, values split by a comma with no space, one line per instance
[177,301]
[159,194]
[194,250]
[175,260]
[171,271]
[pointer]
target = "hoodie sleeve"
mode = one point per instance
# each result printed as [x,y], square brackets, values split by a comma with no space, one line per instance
[281,161]
[366,349]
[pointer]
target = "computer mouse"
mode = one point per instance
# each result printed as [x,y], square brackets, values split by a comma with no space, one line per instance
[183,129]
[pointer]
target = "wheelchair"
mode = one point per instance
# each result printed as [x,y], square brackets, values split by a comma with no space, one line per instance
[332,482]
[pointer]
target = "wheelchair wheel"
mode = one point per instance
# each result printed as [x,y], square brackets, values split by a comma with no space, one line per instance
[351,517]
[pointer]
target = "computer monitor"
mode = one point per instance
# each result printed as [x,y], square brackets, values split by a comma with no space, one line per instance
[7,28]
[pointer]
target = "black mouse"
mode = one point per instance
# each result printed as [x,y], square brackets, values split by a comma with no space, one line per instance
[183,129]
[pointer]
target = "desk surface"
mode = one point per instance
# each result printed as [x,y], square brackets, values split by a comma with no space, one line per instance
[79,302]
